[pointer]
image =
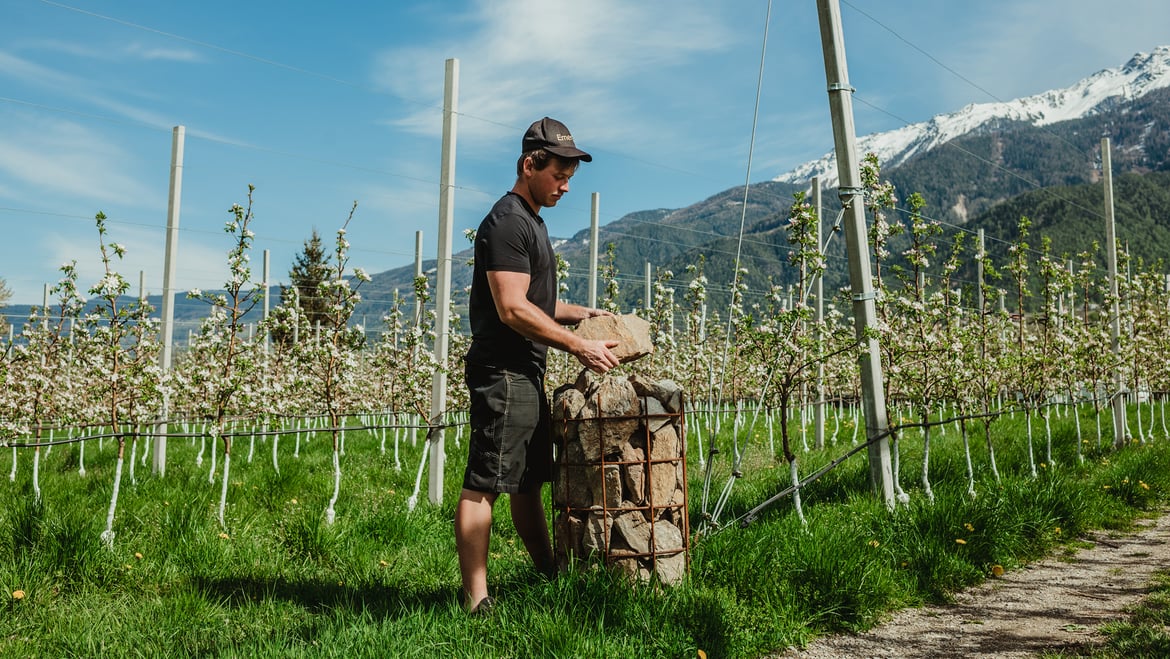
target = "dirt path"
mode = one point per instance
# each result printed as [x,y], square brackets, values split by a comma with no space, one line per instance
[1054,604]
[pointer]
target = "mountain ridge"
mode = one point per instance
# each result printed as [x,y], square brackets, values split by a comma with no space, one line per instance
[1036,142]
[1142,74]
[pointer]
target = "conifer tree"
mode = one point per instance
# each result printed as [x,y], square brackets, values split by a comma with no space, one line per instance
[310,269]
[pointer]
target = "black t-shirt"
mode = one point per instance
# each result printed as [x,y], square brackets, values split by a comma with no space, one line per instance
[512,238]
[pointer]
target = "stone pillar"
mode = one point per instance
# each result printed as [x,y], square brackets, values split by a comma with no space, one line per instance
[620,487]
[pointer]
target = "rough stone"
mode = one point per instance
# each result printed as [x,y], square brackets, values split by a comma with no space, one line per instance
[570,532]
[664,444]
[667,536]
[631,332]
[632,569]
[567,403]
[662,484]
[569,487]
[609,495]
[598,526]
[668,392]
[671,570]
[656,414]
[635,530]
[609,417]
[635,473]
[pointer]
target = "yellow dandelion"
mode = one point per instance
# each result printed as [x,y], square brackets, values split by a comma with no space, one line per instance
[874,543]
[138,555]
[18,595]
[969,526]
[702,655]
[1106,487]
[383,563]
[960,541]
[997,570]
[1143,485]
[166,503]
[1057,530]
[1043,465]
[225,536]
[1125,481]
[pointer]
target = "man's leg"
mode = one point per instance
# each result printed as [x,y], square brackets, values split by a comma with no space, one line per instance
[532,527]
[473,532]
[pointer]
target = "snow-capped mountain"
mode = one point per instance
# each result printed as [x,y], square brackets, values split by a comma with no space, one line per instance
[1144,73]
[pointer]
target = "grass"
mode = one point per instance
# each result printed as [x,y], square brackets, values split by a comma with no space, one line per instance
[383,582]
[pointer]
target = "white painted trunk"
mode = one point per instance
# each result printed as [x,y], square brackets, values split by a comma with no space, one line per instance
[36,480]
[133,458]
[108,535]
[1048,443]
[214,456]
[793,471]
[1031,454]
[926,463]
[967,454]
[223,490]
[330,513]
[412,501]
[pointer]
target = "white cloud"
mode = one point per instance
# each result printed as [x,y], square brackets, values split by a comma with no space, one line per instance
[153,53]
[77,87]
[134,50]
[572,60]
[55,157]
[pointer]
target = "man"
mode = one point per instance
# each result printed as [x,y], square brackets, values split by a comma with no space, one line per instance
[515,317]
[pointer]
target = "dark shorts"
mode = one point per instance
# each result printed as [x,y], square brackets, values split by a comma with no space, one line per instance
[511,443]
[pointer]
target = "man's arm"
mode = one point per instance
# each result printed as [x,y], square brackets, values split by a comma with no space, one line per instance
[509,291]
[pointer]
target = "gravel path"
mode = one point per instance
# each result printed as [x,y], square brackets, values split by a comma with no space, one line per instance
[1054,604]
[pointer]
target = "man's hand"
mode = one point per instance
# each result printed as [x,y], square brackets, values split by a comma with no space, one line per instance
[593,313]
[571,314]
[596,355]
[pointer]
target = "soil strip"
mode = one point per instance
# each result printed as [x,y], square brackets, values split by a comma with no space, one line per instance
[1056,604]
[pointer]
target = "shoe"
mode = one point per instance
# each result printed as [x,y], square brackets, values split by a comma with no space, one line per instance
[483,608]
[548,571]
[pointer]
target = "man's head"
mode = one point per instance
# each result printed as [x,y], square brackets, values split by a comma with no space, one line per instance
[549,160]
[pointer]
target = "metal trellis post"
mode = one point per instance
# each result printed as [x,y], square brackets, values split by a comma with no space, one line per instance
[860,275]
[443,284]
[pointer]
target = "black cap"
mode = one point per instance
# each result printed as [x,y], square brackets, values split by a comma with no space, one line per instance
[554,137]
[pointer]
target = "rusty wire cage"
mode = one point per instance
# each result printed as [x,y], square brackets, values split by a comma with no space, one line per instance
[620,482]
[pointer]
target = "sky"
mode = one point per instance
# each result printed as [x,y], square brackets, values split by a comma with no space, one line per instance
[320,105]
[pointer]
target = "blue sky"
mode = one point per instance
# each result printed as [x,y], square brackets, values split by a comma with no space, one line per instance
[322,104]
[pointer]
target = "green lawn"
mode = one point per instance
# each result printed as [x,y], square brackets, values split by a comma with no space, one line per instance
[383,582]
